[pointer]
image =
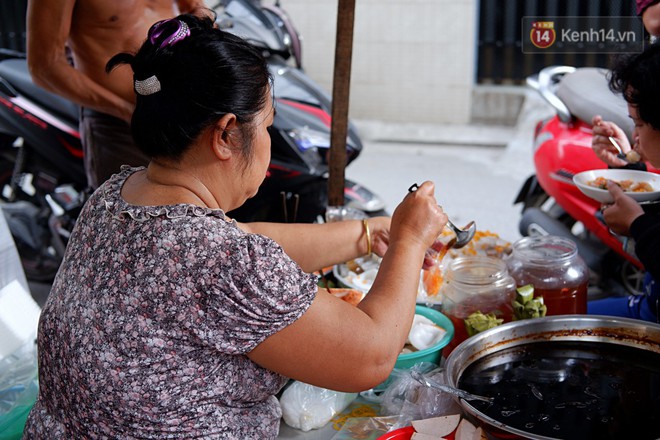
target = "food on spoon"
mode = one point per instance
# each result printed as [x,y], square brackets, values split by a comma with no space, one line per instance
[437,426]
[627,185]
[478,322]
[633,156]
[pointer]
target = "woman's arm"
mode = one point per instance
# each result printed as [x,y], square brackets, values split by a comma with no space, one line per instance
[315,246]
[646,231]
[338,346]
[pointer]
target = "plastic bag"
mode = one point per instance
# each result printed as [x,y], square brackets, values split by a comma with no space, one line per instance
[365,428]
[18,352]
[308,407]
[411,400]
[18,389]
[10,263]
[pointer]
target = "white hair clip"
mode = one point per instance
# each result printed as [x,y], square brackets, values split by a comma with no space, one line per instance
[147,86]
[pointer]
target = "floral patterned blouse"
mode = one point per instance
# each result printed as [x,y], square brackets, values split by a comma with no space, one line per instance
[148,323]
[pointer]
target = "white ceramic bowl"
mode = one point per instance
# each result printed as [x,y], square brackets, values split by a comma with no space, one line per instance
[603,196]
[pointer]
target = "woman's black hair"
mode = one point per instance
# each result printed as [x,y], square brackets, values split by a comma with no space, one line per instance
[637,77]
[202,76]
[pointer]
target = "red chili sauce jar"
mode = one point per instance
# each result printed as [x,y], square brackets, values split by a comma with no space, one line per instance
[552,265]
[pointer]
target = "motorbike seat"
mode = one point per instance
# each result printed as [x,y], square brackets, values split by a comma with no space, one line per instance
[586,94]
[16,73]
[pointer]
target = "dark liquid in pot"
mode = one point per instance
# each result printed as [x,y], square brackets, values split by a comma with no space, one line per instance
[571,390]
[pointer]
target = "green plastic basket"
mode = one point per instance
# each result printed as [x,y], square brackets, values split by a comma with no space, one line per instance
[431,354]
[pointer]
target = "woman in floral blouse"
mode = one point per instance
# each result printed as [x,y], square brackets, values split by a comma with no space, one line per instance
[167,318]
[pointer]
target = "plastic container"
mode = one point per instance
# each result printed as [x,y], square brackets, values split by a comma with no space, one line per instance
[552,265]
[431,354]
[476,285]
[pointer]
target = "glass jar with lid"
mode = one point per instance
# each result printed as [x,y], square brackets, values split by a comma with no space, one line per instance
[478,294]
[552,265]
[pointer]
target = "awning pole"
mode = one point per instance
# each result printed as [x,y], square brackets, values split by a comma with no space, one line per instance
[340,98]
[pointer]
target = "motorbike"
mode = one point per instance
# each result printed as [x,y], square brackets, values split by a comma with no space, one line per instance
[551,202]
[42,179]
[297,183]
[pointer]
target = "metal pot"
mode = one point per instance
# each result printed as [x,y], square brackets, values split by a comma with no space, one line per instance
[639,335]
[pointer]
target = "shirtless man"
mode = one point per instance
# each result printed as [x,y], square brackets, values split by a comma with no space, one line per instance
[94,31]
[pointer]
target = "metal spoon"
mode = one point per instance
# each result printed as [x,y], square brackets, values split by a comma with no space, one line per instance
[621,155]
[631,157]
[419,377]
[463,236]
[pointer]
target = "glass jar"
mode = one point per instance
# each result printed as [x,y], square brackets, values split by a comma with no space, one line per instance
[552,265]
[476,284]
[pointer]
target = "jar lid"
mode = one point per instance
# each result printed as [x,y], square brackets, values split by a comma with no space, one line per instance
[477,270]
[544,249]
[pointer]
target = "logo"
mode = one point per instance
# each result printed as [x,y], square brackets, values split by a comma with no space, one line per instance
[543,34]
[582,34]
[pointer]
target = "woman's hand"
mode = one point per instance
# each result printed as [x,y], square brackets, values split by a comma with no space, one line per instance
[380,234]
[418,218]
[620,215]
[601,144]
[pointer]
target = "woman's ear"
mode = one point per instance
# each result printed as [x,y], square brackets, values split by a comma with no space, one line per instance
[224,136]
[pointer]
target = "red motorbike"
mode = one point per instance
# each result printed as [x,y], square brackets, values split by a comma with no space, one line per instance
[552,203]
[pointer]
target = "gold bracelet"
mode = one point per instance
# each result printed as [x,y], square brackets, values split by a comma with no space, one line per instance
[365,223]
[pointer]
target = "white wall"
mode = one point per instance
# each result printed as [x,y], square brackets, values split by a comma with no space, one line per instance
[413,60]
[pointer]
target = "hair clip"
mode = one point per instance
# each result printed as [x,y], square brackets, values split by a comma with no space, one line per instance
[147,86]
[182,31]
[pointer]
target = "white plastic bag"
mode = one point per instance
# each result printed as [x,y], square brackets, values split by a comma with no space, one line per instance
[18,379]
[308,407]
[19,315]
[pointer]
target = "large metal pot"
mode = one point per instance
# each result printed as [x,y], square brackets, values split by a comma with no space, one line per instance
[639,335]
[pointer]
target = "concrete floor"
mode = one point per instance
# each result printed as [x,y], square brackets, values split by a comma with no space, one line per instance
[472,183]
[477,169]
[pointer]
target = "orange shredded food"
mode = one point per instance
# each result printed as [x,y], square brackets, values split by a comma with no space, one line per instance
[432,279]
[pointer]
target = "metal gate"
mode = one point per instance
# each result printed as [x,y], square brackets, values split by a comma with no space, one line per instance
[500,56]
